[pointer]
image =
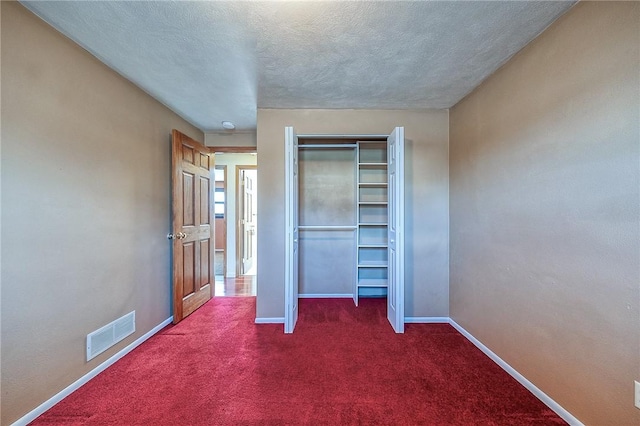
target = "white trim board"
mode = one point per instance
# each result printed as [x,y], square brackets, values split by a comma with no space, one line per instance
[267,320]
[426,320]
[546,399]
[326,296]
[33,414]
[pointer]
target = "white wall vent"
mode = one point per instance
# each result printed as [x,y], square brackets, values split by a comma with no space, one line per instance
[103,338]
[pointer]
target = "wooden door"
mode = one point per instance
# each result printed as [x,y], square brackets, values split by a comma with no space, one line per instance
[395,181]
[291,230]
[193,233]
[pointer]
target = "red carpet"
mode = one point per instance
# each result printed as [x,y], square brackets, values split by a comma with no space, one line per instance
[343,365]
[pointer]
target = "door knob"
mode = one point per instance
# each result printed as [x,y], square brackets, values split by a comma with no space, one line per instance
[178,236]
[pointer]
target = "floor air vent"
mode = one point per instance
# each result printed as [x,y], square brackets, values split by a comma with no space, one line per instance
[107,336]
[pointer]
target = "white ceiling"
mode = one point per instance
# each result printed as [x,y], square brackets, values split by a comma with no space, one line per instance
[215,61]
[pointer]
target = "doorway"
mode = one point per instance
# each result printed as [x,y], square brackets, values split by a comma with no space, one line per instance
[235,205]
[220,221]
[247,208]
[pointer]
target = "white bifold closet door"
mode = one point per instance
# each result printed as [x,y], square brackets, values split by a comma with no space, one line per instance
[292,231]
[395,295]
[395,284]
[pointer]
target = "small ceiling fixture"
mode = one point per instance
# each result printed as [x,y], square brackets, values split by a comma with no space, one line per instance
[228,125]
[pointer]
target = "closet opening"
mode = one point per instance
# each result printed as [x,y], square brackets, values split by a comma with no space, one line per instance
[344,220]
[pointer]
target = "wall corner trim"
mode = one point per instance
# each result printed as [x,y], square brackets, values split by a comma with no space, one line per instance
[546,399]
[33,414]
[271,320]
[426,320]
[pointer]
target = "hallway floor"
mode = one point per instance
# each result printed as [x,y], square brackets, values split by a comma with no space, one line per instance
[242,286]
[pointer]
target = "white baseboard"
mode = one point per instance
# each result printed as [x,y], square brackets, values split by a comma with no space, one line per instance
[426,320]
[272,320]
[326,296]
[33,414]
[546,399]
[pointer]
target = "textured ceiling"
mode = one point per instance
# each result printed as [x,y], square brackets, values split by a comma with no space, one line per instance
[215,61]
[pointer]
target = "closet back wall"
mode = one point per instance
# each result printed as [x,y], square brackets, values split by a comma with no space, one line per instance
[427,199]
[327,198]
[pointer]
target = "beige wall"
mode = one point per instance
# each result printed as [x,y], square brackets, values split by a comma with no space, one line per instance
[427,215]
[85,199]
[545,212]
[243,138]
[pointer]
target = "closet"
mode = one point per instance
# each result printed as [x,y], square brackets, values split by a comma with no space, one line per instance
[344,215]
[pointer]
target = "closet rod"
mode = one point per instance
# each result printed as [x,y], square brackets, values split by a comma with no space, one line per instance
[316,136]
[327,228]
[328,145]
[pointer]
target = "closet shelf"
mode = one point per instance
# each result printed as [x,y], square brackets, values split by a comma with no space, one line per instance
[372,265]
[376,165]
[327,227]
[328,145]
[373,184]
[373,203]
[372,283]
